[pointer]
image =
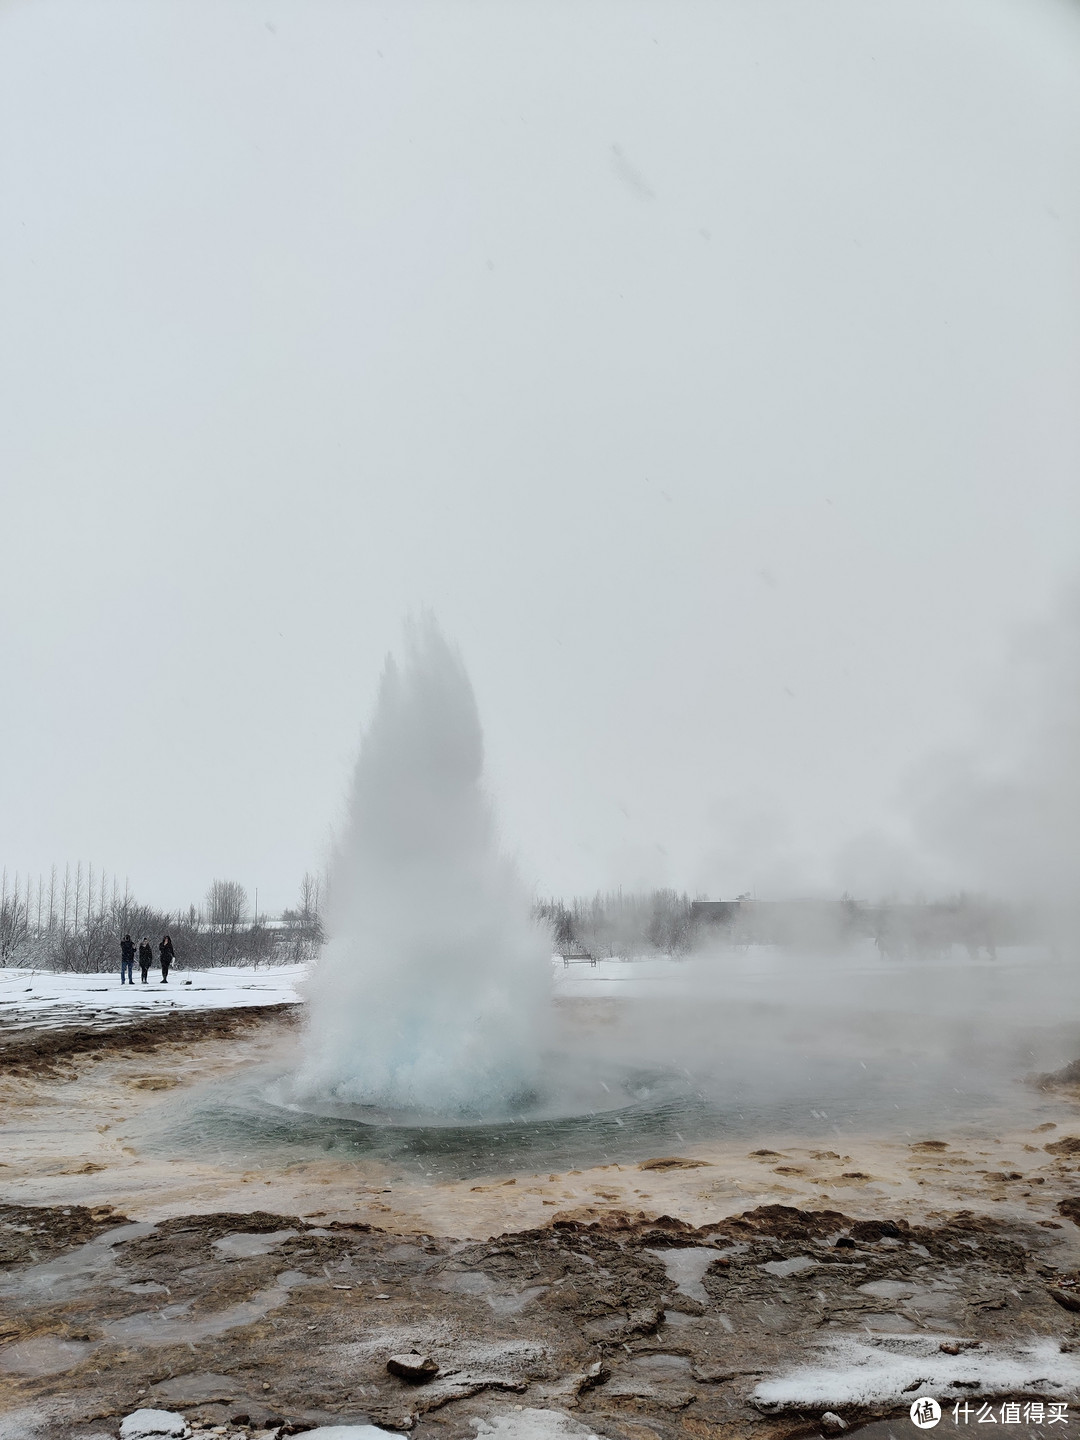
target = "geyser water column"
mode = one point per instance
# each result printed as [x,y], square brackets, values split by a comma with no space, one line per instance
[433,992]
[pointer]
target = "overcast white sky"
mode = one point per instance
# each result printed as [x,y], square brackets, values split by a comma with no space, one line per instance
[709,368]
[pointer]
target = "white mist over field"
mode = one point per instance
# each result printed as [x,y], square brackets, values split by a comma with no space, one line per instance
[433,990]
[1000,815]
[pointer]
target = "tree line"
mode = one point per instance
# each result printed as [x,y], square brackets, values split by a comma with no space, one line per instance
[620,922]
[73,921]
[665,922]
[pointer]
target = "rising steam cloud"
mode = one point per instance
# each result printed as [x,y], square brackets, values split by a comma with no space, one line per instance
[1001,816]
[433,990]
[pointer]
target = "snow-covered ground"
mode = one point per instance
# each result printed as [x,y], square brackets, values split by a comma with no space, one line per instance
[731,969]
[1028,974]
[26,994]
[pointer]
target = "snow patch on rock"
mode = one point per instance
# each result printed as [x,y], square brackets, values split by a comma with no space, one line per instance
[855,1372]
[154,1425]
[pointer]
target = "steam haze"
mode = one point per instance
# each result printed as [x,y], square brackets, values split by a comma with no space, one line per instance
[709,369]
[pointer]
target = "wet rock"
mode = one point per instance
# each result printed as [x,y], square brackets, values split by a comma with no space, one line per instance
[596,1374]
[417,1369]
[402,1414]
[672,1162]
[870,1231]
[1067,1075]
[718,1374]
[1067,1294]
[832,1423]
[784,1222]
[645,1320]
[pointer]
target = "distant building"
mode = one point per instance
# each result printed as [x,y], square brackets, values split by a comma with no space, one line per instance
[713,912]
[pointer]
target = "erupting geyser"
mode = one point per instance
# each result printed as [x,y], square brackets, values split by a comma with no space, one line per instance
[433,992]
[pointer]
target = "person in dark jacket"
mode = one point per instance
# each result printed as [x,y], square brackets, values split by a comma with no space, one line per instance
[127,959]
[167,955]
[146,958]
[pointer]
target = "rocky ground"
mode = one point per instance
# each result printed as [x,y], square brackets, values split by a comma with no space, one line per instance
[633,1327]
[947,1268]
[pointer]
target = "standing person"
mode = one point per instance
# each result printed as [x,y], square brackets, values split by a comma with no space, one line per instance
[127,959]
[146,957]
[168,955]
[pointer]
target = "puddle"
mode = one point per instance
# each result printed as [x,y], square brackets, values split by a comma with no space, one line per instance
[201,1389]
[648,1375]
[660,1367]
[475,1282]
[172,1325]
[44,1355]
[67,1275]
[686,1267]
[242,1245]
[784,1268]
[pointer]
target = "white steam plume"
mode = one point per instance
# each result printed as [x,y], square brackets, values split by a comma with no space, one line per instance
[433,992]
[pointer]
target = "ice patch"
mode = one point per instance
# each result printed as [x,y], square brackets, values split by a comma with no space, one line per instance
[242,1244]
[883,1373]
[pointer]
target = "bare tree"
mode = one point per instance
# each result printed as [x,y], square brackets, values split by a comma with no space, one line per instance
[14,919]
[226,911]
[304,926]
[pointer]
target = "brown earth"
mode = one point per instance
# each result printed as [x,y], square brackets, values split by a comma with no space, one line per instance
[129,1278]
[580,1315]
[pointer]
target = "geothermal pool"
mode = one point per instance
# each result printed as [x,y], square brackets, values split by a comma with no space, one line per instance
[660,1055]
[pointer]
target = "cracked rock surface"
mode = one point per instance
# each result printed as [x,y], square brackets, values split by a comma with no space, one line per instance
[292,1324]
